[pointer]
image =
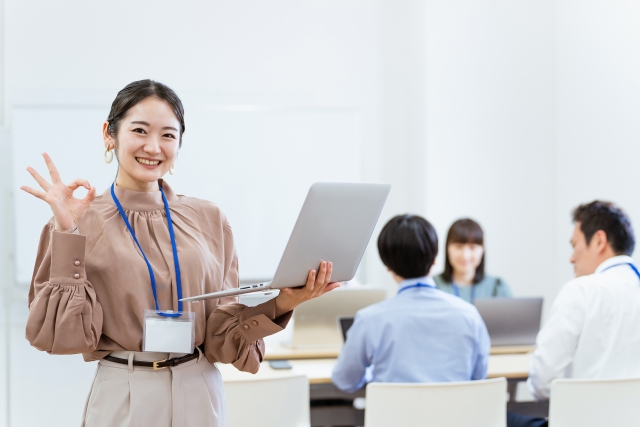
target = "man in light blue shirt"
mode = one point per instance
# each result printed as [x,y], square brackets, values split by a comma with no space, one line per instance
[420,335]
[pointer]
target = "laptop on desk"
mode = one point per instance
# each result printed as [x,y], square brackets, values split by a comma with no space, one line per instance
[511,321]
[344,324]
[314,321]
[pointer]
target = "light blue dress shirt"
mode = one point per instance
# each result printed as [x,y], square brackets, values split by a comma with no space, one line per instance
[421,335]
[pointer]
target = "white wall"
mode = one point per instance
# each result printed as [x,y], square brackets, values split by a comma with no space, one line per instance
[2,74]
[532,109]
[490,131]
[6,273]
[598,111]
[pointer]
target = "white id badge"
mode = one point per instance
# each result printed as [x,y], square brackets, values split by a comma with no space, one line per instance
[169,334]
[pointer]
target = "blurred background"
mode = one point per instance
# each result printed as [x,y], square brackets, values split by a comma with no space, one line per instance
[511,113]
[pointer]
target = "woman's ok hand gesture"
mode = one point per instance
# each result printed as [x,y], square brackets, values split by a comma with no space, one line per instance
[67,210]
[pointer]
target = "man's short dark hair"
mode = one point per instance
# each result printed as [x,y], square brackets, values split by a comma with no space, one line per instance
[609,218]
[408,245]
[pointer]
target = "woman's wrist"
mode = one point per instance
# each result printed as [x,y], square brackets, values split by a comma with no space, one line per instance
[60,229]
[283,305]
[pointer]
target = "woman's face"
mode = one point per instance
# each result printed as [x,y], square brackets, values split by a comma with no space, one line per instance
[465,257]
[147,144]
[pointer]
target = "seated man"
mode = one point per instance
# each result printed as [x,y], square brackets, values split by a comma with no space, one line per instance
[420,335]
[592,330]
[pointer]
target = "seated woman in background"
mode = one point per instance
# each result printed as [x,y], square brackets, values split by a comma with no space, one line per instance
[463,273]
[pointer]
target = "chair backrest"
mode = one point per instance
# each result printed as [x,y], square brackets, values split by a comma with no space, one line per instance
[270,402]
[601,402]
[457,404]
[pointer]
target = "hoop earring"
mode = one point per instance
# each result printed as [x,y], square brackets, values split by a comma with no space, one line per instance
[172,170]
[108,155]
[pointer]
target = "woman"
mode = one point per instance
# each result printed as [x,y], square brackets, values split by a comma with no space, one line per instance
[463,273]
[104,263]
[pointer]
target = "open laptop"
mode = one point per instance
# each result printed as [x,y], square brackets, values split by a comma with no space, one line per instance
[344,323]
[335,224]
[511,321]
[314,321]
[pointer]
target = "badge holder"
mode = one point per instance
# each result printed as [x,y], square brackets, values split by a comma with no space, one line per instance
[164,331]
[169,334]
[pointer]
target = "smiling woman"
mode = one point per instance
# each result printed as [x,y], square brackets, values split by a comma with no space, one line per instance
[111,270]
[463,273]
[152,118]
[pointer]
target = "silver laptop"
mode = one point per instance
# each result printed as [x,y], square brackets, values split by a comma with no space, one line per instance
[511,321]
[335,224]
[314,321]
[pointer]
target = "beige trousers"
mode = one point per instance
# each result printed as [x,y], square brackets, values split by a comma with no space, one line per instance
[188,395]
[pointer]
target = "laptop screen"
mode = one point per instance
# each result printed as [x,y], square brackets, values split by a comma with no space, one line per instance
[345,323]
[511,321]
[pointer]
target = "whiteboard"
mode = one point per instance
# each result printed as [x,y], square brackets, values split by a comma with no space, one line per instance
[256,163]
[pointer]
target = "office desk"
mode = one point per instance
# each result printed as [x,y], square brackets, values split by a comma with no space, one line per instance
[276,352]
[511,366]
[330,406]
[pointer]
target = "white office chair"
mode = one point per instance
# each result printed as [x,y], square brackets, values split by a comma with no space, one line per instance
[457,404]
[586,403]
[270,402]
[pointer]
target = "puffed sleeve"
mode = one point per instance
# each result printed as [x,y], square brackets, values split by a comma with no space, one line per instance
[65,316]
[234,332]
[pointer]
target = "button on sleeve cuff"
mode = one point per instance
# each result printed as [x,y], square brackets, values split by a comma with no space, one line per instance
[259,321]
[67,258]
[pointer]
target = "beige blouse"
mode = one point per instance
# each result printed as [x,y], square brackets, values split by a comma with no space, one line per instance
[90,289]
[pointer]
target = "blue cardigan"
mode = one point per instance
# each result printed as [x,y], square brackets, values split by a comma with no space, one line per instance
[489,287]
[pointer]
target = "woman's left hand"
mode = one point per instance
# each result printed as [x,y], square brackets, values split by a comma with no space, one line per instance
[317,284]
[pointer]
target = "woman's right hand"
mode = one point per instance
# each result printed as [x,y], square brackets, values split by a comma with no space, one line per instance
[67,210]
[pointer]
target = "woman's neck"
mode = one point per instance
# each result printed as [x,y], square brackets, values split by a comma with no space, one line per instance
[126,181]
[463,278]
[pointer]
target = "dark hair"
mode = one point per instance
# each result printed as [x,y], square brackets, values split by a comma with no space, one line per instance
[408,245]
[463,231]
[136,92]
[609,218]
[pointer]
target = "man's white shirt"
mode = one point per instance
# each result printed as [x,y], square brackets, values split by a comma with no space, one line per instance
[593,329]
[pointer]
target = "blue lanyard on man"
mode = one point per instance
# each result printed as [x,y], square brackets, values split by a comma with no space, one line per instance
[417,285]
[633,267]
[456,291]
[173,246]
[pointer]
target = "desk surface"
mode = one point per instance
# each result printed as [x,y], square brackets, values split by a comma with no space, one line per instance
[319,370]
[275,351]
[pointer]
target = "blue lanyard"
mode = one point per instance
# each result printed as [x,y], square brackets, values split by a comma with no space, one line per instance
[633,267]
[456,291]
[173,246]
[417,285]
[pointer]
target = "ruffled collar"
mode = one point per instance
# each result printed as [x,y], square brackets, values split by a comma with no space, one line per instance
[141,200]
